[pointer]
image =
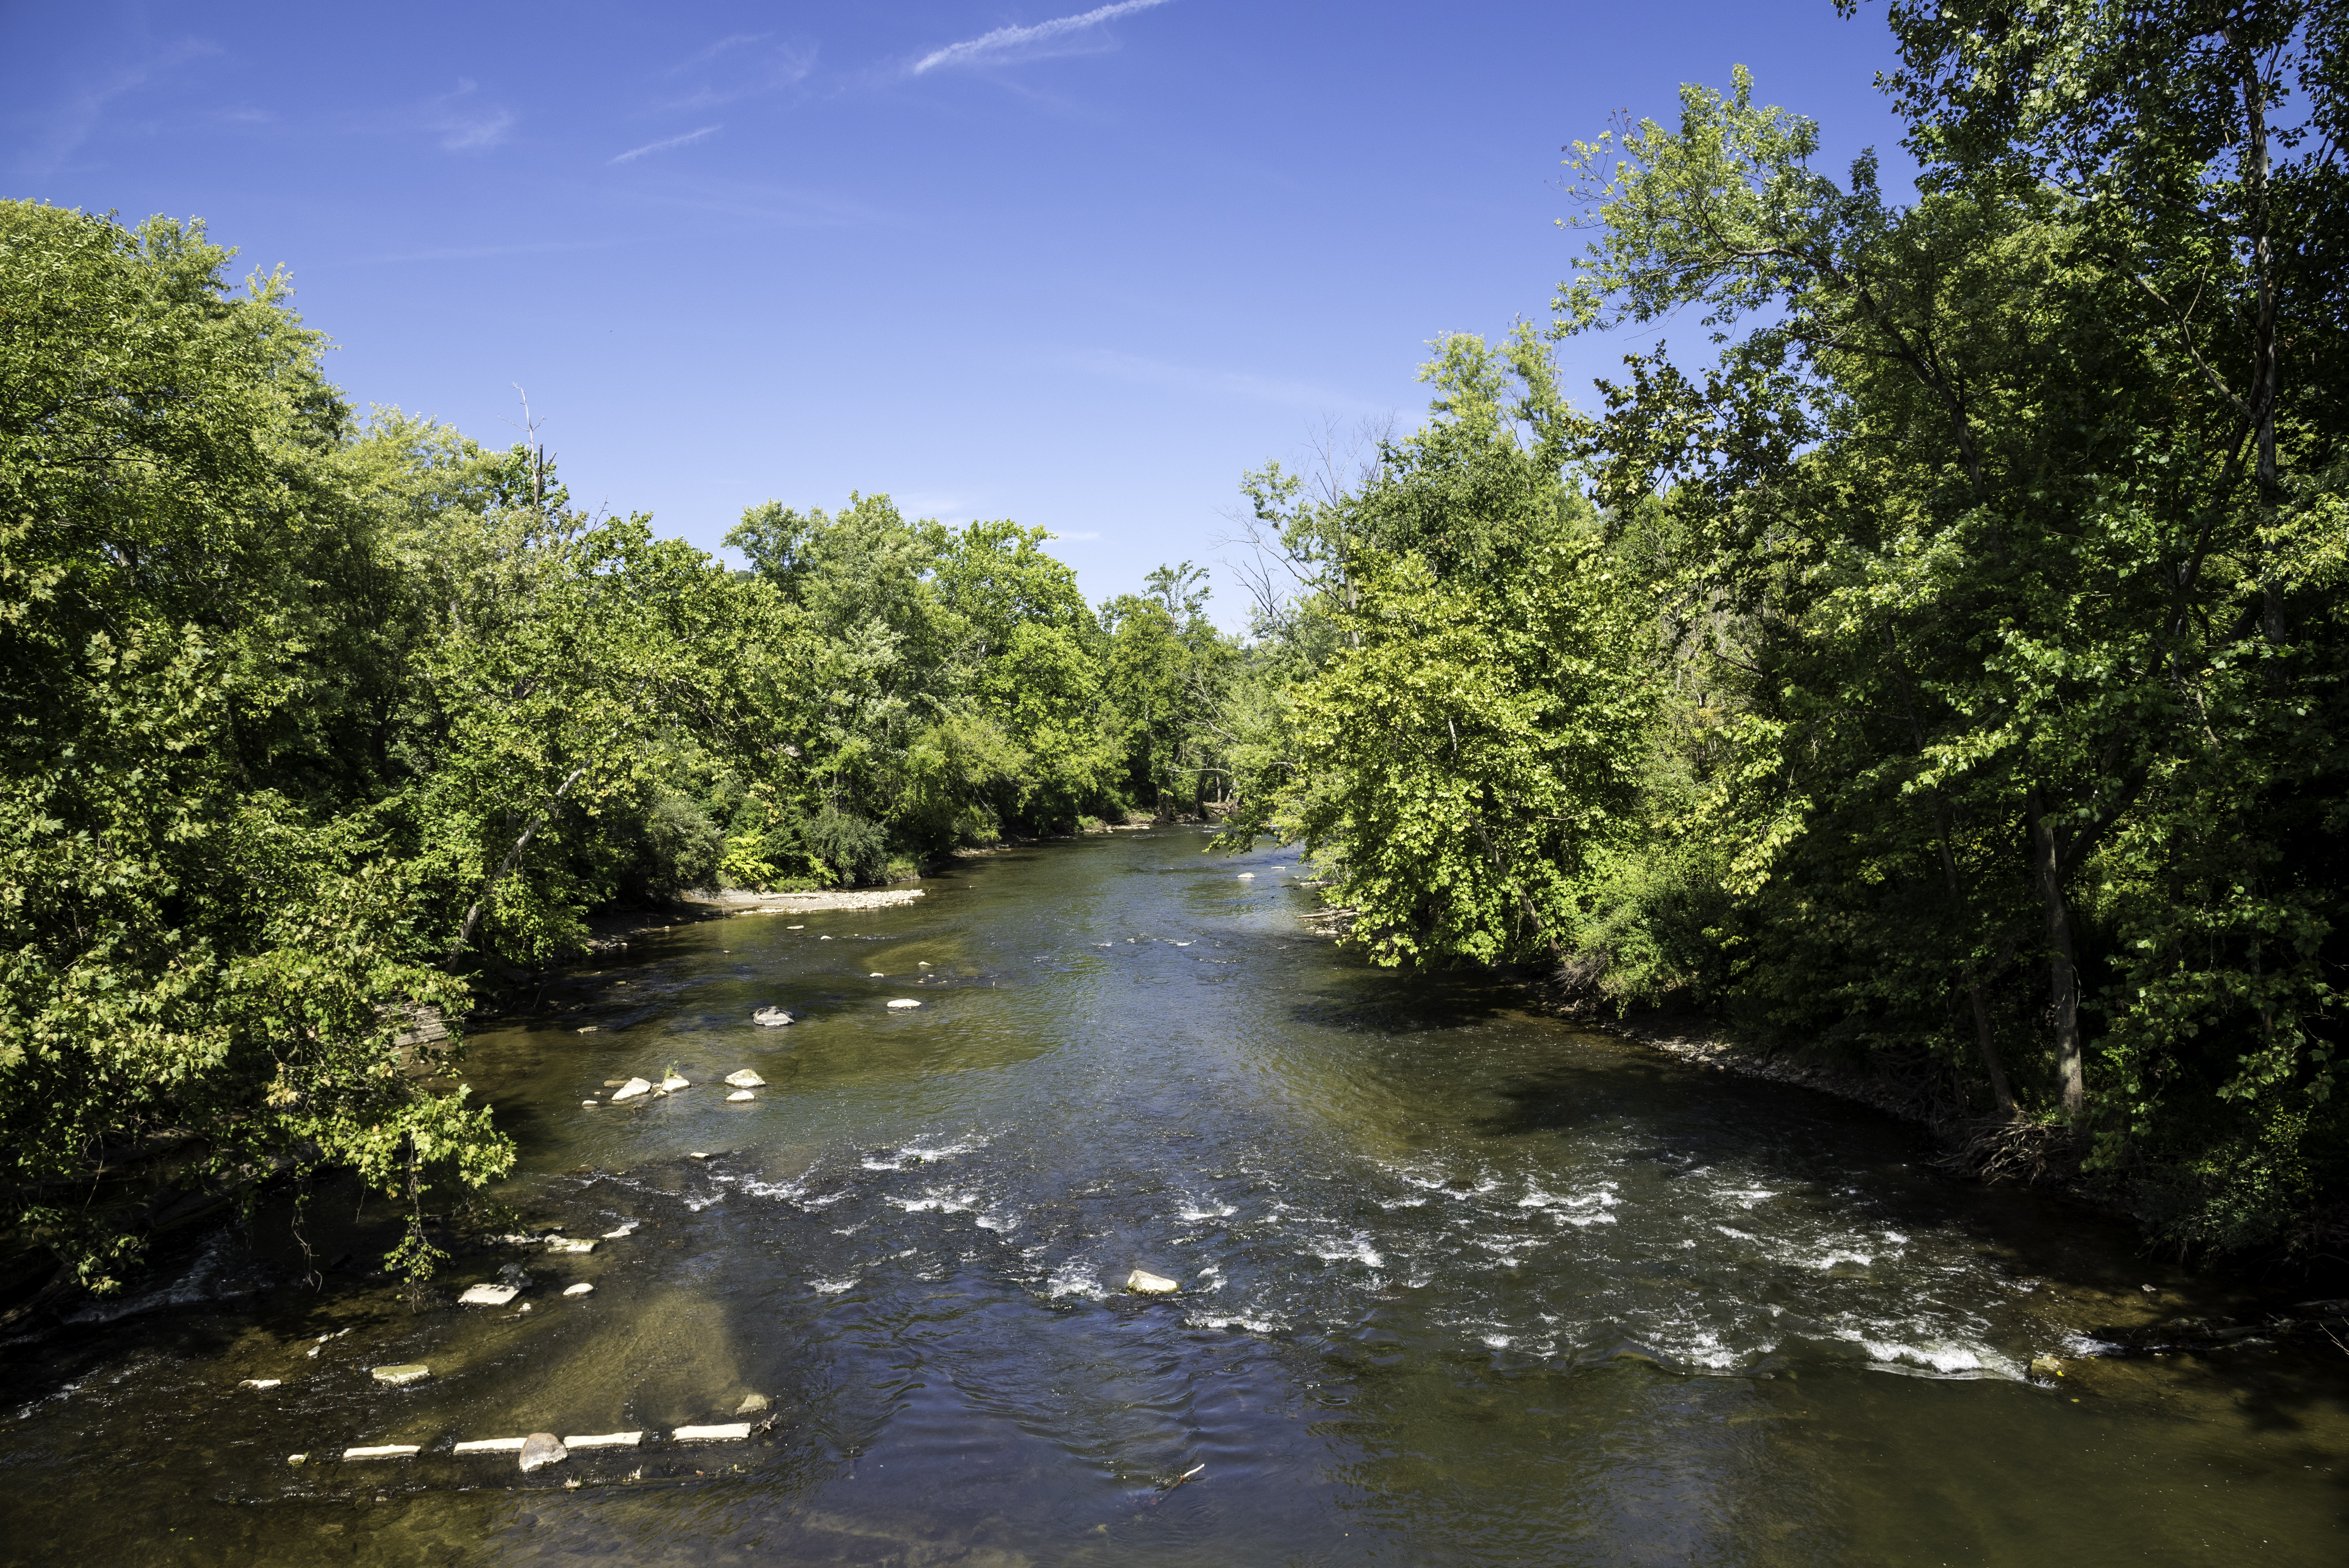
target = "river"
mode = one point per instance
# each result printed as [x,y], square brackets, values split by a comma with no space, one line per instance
[1460,1283]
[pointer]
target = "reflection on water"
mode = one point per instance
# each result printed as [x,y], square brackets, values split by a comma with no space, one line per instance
[1459,1284]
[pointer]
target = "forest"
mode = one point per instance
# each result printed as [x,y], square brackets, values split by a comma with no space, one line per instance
[1933,658]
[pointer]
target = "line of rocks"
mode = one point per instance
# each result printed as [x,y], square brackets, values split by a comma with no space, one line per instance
[540,1449]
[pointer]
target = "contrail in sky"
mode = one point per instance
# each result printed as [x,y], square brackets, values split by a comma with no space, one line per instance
[687,139]
[1003,41]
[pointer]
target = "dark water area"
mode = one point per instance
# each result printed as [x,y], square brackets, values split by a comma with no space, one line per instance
[1459,1284]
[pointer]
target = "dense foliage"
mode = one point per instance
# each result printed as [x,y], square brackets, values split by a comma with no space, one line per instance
[1945,665]
[1948,664]
[314,722]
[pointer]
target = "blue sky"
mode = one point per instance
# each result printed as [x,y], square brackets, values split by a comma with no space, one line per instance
[1020,258]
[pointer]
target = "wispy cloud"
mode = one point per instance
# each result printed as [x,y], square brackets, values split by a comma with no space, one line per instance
[1227,384]
[465,123]
[740,66]
[688,140]
[83,111]
[1063,34]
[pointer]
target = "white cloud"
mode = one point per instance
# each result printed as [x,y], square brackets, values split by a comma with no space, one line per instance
[465,125]
[1059,35]
[688,140]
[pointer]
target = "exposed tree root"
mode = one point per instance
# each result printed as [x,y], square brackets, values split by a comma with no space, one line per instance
[1993,1149]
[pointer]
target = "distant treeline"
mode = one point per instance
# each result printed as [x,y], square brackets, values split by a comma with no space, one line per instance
[1945,665]
[313,717]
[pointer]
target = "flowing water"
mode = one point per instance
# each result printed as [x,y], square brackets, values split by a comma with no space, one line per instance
[1459,1284]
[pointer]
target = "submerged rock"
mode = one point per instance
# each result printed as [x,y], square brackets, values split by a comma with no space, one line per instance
[746,1078]
[631,1089]
[261,1382]
[582,1288]
[2046,1366]
[772,1017]
[541,1449]
[565,1244]
[624,1230]
[752,1404]
[1142,1281]
[401,1375]
[741,1094]
[488,1294]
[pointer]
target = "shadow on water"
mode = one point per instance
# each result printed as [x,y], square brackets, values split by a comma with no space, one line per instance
[1458,1285]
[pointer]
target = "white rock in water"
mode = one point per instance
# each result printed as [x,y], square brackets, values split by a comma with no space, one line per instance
[924,963]
[631,1089]
[588,1030]
[673,1083]
[904,1001]
[876,974]
[589,1104]
[746,1078]
[490,1445]
[582,1288]
[1143,1282]
[605,1441]
[261,1382]
[488,1296]
[387,1452]
[752,1404]
[541,1449]
[1246,876]
[741,1094]
[772,1017]
[297,1459]
[624,1230]
[732,1432]
[565,1244]
[824,939]
[401,1375]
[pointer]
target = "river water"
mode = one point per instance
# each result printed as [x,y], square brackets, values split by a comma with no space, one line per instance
[1459,1284]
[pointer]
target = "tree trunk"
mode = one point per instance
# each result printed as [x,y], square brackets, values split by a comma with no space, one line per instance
[2063,974]
[513,857]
